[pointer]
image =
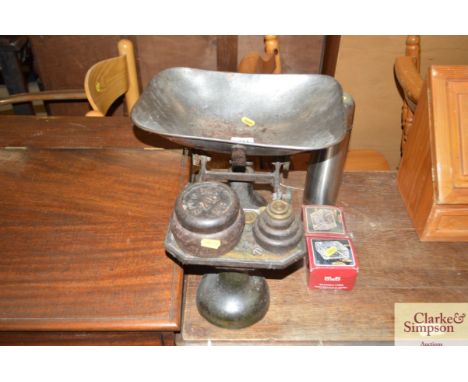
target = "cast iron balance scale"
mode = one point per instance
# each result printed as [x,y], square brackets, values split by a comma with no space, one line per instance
[219,220]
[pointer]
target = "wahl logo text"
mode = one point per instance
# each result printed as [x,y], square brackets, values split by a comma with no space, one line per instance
[331,278]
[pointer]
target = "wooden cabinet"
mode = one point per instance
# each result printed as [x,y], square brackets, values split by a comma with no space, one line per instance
[433,176]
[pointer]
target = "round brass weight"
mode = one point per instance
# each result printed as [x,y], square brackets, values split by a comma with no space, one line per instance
[233,300]
[279,210]
[277,229]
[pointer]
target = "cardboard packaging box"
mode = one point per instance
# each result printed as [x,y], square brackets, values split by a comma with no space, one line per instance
[323,221]
[332,263]
[331,253]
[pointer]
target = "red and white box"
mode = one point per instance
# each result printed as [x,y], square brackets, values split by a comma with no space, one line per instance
[331,253]
[332,263]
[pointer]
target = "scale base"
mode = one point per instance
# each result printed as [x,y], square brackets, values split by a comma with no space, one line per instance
[233,300]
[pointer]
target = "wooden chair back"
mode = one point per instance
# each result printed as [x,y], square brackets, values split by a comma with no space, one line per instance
[407,72]
[107,80]
[269,62]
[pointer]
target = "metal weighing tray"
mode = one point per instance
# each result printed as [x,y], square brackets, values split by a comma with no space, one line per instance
[269,114]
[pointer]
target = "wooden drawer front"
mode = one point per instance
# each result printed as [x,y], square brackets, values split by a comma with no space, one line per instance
[447,223]
[450,132]
[458,103]
[86,338]
[463,129]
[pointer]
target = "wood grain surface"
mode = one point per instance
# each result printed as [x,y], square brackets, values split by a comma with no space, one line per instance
[433,176]
[330,54]
[140,338]
[106,81]
[76,132]
[62,62]
[81,239]
[415,173]
[356,160]
[299,54]
[226,53]
[394,267]
[448,86]
[48,95]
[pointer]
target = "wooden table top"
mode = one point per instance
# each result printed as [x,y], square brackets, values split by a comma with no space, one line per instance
[394,267]
[82,230]
[76,132]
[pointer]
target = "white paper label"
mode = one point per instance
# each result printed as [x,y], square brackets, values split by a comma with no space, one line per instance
[243,139]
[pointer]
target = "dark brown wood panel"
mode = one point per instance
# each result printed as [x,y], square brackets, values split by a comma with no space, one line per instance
[156,53]
[76,132]
[394,267]
[299,54]
[81,240]
[226,53]
[85,338]
[330,54]
[62,62]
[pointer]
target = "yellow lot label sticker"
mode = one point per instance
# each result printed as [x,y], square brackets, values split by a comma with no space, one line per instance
[210,243]
[247,121]
[330,251]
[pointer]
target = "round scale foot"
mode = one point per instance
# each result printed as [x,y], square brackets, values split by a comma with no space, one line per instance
[233,300]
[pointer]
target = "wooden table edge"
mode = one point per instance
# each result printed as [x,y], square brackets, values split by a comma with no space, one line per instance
[87,326]
[172,323]
[180,341]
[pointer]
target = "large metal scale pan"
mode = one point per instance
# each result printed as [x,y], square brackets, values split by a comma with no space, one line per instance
[208,110]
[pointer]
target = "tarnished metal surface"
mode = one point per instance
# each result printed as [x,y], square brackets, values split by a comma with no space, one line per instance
[326,166]
[204,229]
[207,207]
[241,178]
[207,220]
[207,110]
[233,300]
[277,229]
[247,254]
